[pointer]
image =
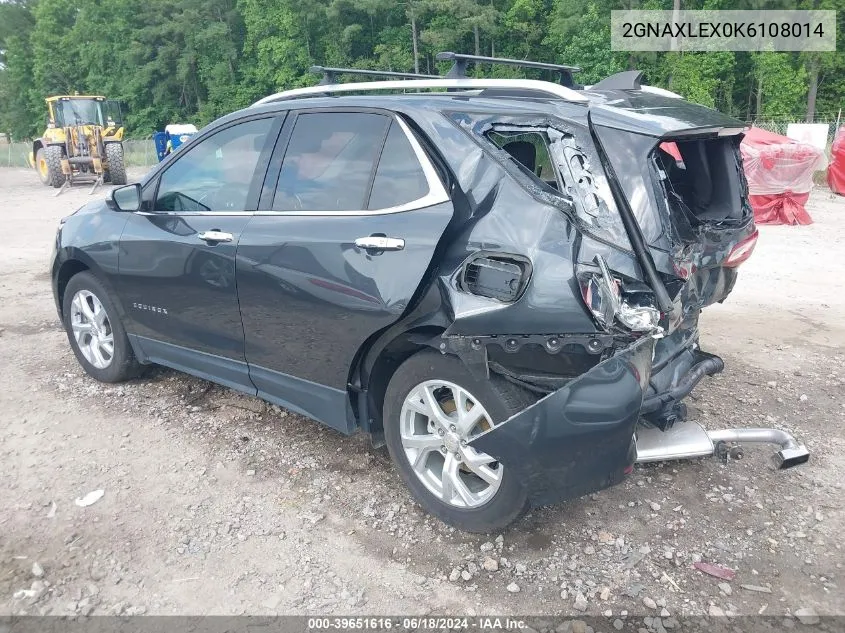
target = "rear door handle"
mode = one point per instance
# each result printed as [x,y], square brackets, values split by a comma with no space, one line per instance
[215,236]
[380,243]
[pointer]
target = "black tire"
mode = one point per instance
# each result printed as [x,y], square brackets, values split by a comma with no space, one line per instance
[53,154]
[500,399]
[123,365]
[116,166]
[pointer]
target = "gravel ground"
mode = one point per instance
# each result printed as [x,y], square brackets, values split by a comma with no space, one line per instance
[217,503]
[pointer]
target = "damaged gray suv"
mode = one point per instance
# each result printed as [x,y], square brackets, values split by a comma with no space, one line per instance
[499,279]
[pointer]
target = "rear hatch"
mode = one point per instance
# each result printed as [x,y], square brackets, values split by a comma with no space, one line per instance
[680,169]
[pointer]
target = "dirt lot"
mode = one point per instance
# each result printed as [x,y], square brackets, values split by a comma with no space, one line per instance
[217,503]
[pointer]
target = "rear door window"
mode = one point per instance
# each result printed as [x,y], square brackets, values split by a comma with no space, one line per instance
[399,178]
[330,161]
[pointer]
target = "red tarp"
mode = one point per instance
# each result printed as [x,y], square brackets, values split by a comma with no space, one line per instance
[779,171]
[836,171]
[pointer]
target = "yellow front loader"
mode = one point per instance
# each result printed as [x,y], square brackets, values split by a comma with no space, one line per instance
[83,142]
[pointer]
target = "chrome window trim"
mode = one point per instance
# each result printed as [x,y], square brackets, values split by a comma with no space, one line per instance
[436,191]
[194,213]
[547,87]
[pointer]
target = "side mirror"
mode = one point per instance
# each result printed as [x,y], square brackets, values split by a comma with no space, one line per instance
[126,198]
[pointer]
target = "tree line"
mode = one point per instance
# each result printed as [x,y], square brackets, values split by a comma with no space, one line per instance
[194,60]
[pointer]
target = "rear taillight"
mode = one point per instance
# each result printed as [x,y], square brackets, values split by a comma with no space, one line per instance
[742,251]
[602,294]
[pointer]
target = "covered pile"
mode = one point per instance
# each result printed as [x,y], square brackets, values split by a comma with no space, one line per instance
[836,171]
[780,176]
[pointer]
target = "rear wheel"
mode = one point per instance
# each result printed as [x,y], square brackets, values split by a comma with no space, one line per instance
[433,408]
[53,158]
[117,168]
[95,331]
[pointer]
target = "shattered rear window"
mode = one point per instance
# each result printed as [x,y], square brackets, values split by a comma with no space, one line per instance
[531,151]
[559,162]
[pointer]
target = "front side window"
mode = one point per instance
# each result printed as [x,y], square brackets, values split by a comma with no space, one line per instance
[216,174]
[330,161]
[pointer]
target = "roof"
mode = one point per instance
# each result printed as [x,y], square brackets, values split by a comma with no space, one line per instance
[180,128]
[57,97]
[638,111]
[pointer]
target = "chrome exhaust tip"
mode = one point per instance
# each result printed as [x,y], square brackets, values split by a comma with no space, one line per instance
[689,439]
[789,457]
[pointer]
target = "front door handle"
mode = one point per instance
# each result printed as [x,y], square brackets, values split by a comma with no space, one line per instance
[215,236]
[380,243]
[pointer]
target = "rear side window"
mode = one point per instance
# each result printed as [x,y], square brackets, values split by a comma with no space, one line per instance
[399,177]
[330,161]
[530,150]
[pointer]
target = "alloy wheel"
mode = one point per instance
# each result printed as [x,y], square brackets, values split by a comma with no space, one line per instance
[438,419]
[92,329]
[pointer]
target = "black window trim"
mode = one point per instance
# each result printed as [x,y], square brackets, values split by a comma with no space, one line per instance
[257,179]
[437,193]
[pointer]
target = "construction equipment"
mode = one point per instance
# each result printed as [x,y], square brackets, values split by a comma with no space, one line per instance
[83,143]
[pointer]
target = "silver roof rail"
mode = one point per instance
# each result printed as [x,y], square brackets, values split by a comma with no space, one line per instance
[534,85]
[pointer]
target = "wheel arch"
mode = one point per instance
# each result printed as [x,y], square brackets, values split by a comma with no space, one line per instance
[37,144]
[66,271]
[76,261]
[383,364]
[381,355]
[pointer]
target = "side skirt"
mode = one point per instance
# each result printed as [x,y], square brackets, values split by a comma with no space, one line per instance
[318,402]
[324,404]
[224,371]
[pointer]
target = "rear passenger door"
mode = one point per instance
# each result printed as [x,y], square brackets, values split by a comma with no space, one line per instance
[346,229]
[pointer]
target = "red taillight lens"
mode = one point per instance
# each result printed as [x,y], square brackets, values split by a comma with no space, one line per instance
[742,251]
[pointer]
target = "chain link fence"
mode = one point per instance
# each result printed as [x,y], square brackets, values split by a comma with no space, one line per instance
[779,126]
[137,153]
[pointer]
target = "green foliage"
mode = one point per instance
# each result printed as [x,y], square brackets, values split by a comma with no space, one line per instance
[194,60]
[584,40]
[782,83]
[705,78]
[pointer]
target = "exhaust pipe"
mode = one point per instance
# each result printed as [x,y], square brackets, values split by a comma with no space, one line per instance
[708,367]
[689,439]
[791,453]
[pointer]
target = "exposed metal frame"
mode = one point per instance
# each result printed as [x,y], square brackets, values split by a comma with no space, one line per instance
[534,85]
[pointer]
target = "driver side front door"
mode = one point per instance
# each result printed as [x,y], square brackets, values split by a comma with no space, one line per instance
[177,255]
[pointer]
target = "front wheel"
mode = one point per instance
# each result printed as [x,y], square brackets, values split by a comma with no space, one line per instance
[53,155]
[433,408]
[95,331]
[42,167]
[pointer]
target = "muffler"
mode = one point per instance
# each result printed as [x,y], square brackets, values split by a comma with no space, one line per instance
[689,439]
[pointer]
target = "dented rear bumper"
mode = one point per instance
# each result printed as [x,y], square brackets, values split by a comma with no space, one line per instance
[580,438]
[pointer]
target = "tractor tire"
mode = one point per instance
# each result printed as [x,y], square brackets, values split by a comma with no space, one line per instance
[116,167]
[41,167]
[53,157]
